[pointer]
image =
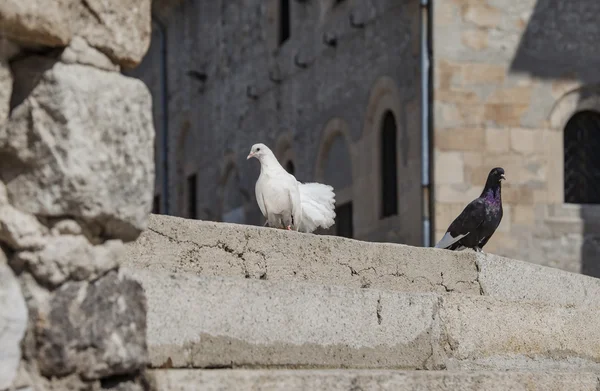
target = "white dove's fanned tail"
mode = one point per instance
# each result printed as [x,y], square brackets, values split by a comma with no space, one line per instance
[318,206]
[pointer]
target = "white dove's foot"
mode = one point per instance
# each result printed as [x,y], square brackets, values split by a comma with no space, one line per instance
[288,228]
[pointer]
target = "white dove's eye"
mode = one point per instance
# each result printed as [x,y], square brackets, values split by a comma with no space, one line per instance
[257,149]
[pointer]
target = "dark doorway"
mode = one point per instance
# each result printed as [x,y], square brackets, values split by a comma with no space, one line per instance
[192,196]
[343,220]
[156,205]
[389,169]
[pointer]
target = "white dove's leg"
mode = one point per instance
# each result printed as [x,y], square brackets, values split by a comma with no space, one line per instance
[274,221]
[287,220]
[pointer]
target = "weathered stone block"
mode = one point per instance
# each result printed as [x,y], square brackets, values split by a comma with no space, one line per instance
[475,39]
[511,95]
[505,113]
[5,90]
[448,116]
[446,73]
[472,115]
[523,214]
[36,22]
[71,257]
[473,163]
[457,96]
[446,213]
[80,143]
[517,194]
[449,168]
[481,73]
[94,329]
[482,15]
[474,159]
[345,379]
[533,171]
[120,29]
[13,322]
[80,52]
[456,193]
[497,140]
[20,230]
[460,139]
[526,141]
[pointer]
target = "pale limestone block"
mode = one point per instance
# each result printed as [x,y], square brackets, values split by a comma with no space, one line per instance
[449,167]
[497,140]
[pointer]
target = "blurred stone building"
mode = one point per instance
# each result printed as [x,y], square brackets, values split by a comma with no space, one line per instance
[402,105]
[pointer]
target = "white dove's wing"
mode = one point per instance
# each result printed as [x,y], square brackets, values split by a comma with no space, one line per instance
[258,191]
[318,206]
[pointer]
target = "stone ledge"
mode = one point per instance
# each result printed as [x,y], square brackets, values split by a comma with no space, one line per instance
[344,380]
[180,246]
[226,322]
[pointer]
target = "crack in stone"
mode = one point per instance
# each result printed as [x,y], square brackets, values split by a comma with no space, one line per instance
[443,284]
[434,359]
[225,247]
[378,310]
[478,267]
[94,13]
[353,272]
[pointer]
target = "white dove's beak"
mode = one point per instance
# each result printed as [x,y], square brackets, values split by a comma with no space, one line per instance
[250,155]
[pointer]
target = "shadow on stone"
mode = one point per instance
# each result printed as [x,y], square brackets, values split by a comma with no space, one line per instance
[27,73]
[560,41]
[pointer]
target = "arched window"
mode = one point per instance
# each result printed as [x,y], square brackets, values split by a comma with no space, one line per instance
[582,158]
[284,21]
[289,167]
[389,169]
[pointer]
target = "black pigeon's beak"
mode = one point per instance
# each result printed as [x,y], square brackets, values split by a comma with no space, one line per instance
[502,177]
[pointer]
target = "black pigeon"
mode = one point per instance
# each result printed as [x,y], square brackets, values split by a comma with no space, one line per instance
[479,220]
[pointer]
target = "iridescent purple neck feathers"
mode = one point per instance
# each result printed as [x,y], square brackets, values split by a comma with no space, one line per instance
[492,195]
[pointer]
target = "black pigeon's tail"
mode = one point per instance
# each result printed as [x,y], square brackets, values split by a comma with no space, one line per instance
[448,240]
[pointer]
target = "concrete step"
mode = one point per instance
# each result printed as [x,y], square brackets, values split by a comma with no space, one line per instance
[345,380]
[179,246]
[208,322]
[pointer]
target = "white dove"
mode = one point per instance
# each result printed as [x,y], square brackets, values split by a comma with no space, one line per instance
[287,203]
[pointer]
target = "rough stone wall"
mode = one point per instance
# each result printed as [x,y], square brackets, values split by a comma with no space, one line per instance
[286,96]
[76,179]
[508,76]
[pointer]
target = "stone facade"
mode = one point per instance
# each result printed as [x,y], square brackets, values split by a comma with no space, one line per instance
[503,90]
[508,76]
[76,182]
[318,100]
